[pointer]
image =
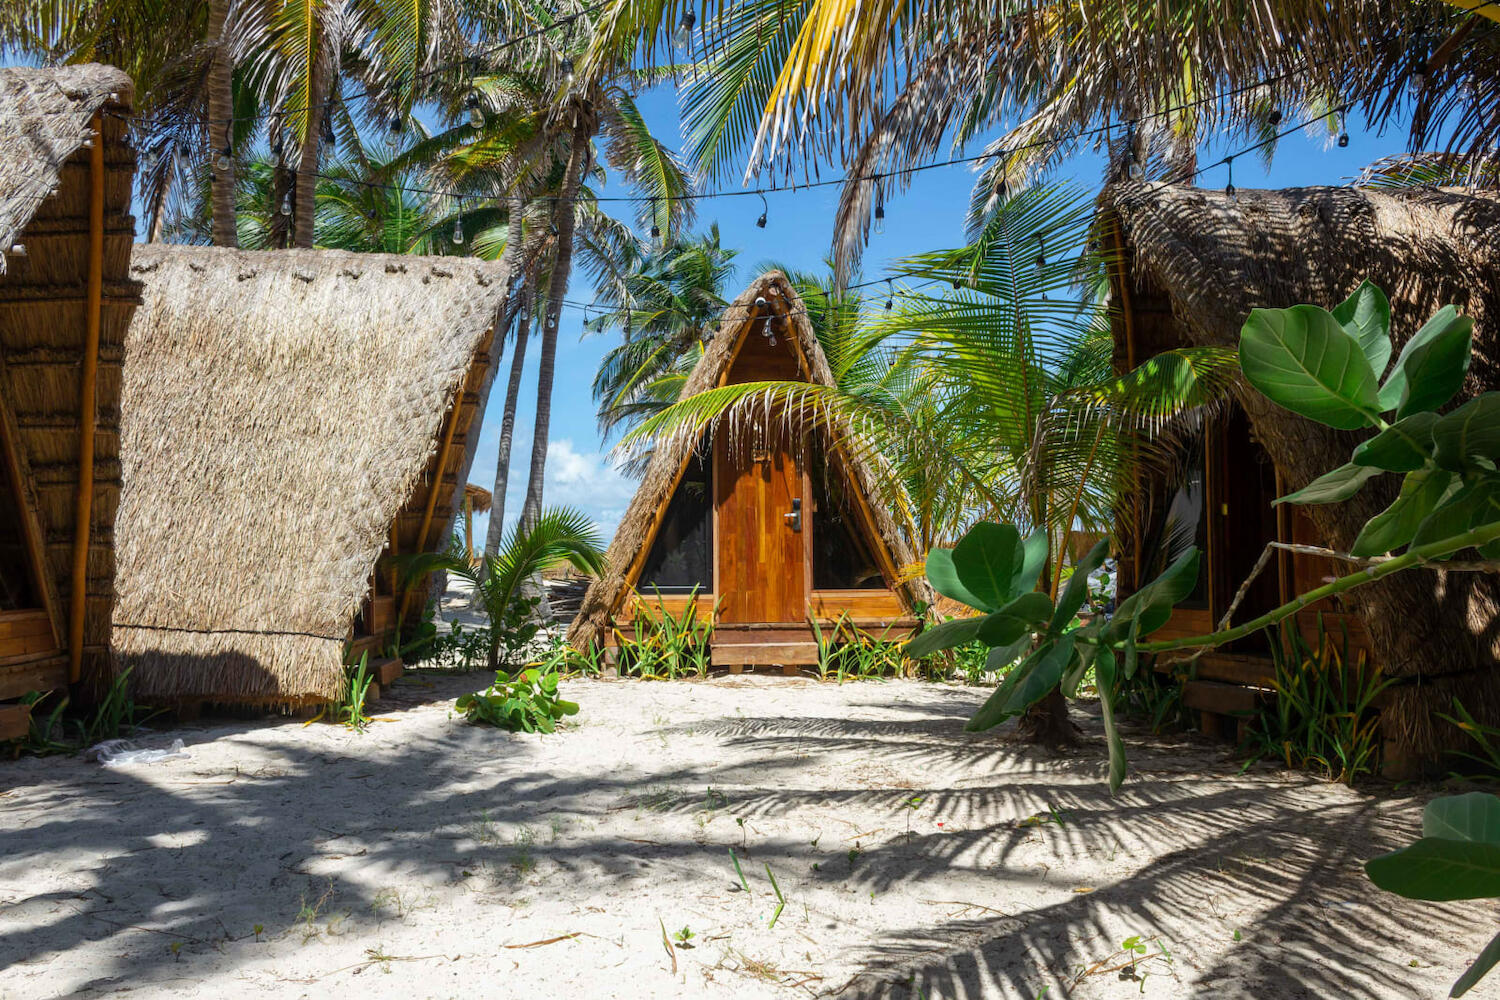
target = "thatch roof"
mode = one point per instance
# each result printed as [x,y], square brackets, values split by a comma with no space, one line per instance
[1201,261]
[279,410]
[478,497]
[608,593]
[45,117]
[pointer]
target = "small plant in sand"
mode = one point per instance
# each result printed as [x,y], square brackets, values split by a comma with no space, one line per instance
[526,702]
[351,708]
[684,937]
[911,805]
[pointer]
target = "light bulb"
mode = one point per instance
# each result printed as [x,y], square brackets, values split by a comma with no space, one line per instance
[685,28]
[880,218]
[1136,173]
[286,203]
[567,71]
[765,211]
[223,162]
[1343,140]
[458,230]
[1231,192]
[655,231]
[760,223]
[1274,118]
[393,135]
[476,113]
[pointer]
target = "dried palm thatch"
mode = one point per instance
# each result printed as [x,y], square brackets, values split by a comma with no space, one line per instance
[280,408]
[477,498]
[670,455]
[47,116]
[1203,262]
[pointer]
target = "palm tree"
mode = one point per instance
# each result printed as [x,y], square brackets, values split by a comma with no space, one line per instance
[662,301]
[883,89]
[559,536]
[999,389]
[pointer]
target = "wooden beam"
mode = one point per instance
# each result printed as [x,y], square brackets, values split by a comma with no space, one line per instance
[88,407]
[437,482]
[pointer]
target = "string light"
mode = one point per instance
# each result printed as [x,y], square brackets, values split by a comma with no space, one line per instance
[327,130]
[226,156]
[458,225]
[655,229]
[286,203]
[685,29]
[1133,168]
[1041,252]
[1002,189]
[765,210]
[890,295]
[394,133]
[1343,130]
[1229,190]
[567,71]
[880,216]
[1274,118]
[476,112]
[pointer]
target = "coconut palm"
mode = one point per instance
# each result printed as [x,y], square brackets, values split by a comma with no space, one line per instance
[788,83]
[662,300]
[560,536]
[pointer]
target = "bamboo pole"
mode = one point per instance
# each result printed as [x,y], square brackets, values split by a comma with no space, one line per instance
[87,408]
[437,484]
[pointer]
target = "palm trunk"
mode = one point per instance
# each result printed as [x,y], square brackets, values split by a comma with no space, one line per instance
[305,204]
[220,110]
[557,289]
[494,537]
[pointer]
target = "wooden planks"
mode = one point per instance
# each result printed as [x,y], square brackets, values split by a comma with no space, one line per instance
[762,571]
[15,722]
[18,675]
[764,654]
[24,633]
[874,605]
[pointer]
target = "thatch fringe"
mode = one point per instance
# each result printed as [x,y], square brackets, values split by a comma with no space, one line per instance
[608,593]
[279,410]
[1211,260]
[45,117]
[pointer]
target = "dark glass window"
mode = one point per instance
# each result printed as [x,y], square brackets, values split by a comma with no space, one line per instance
[682,556]
[16,587]
[1187,523]
[842,558]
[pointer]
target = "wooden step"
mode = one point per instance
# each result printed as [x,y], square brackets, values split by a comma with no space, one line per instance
[1225,699]
[15,722]
[763,653]
[387,670]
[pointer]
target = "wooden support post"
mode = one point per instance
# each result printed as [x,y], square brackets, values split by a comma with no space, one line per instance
[468,527]
[87,408]
[437,482]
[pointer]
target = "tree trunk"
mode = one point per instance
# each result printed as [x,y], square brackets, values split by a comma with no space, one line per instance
[1047,723]
[304,211]
[220,126]
[494,536]
[282,183]
[557,289]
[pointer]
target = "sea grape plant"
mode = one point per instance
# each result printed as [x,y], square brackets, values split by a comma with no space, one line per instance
[1332,367]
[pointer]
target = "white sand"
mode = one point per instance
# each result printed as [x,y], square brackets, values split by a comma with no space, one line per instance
[423,858]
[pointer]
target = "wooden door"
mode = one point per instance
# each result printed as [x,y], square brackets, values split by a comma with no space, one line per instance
[761,575]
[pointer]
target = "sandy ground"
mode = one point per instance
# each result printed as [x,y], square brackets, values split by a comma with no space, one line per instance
[429,858]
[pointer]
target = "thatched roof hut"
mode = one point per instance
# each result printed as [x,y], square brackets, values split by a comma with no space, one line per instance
[1195,262]
[65,301]
[765,335]
[289,416]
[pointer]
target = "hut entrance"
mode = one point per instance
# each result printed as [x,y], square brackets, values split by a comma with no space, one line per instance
[1242,522]
[762,529]
[17,589]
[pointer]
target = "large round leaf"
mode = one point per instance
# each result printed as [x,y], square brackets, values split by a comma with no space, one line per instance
[1432,365]
[1469,433]
[1438,869]
[1302,359]
[1366,316]
[986,559]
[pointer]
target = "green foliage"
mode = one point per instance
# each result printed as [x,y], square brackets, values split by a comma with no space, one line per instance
[559,536]
[848,652]
[1487,739]
[351,708]
[1457,857]
[524,702]
[1323,718]
[461,648]
[664,646]
[53,729]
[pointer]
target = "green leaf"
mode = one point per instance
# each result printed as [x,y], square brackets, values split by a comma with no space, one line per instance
[1473,816]
[1032,607]
[1432,365]
[1366,316]
[1148,609]
[1021,616]
[1302,359]
[986,559]
[1439,870]
[1104,674]
[1077,589]
[994,711]
[1397,524]
[1331,487]
[943,636]
[1483,963]
[1042,677]
[1475,504]
[1402,447]
[943,576]
[1031,559]
[1469,432]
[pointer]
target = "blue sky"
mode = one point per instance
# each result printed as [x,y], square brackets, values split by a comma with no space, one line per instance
[930,214]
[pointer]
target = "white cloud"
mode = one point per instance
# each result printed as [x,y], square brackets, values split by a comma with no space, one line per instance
[586,480]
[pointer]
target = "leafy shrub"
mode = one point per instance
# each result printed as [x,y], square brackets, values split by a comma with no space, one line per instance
[1458,857]
[524,702]
[664,646]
